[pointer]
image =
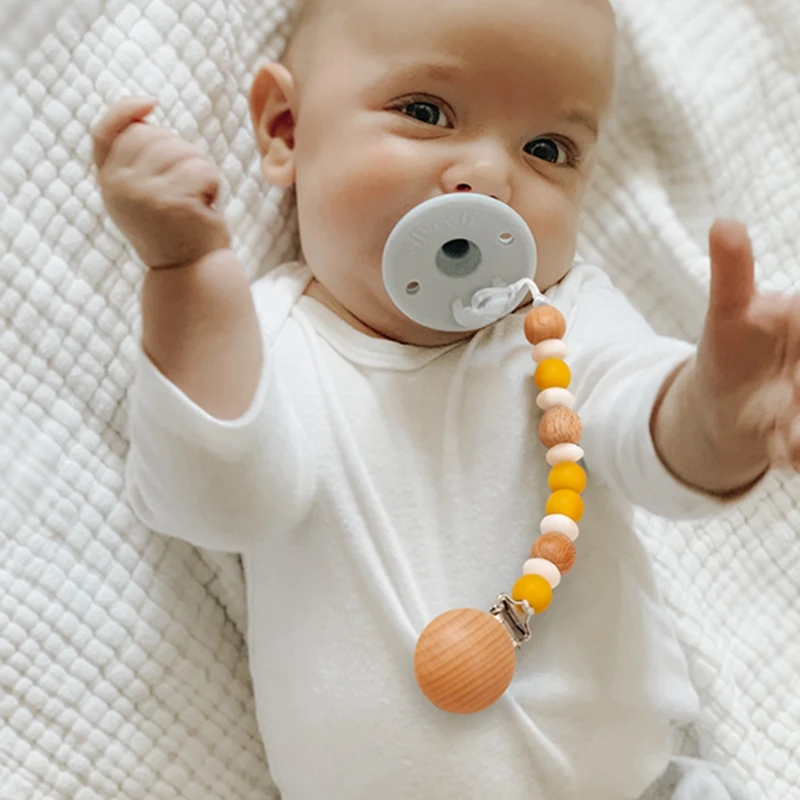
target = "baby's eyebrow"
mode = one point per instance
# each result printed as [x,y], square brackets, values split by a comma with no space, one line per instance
[441,70]
[588,121]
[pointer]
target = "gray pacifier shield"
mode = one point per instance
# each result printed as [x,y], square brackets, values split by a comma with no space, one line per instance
[448,248]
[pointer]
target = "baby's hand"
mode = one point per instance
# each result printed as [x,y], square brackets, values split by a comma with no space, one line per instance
[734,410]
[158,189]
[749,357]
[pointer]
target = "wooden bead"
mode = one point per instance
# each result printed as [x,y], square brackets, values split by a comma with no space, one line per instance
[544,322]
[464,661]
[557,549]
[567,475]
[552,373]
[560,425]
[565,502]
[535,590]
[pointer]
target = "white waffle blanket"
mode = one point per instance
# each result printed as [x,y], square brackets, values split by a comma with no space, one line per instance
[123,670]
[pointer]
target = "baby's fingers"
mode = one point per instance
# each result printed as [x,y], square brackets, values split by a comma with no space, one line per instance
[778,450]
[117,120]
[732,270]
[793,444]
[168,154]
[196,177]
[138,145]
[783,445]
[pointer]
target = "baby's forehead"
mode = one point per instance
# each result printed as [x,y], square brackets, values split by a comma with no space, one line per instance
[499,31]
[403,23]
[307,10]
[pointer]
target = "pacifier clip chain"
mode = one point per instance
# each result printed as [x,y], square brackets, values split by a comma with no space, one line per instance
[465,658]
[460,262]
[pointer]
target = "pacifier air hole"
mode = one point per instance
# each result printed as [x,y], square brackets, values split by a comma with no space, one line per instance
[458,258]
[413,288]
[506,238]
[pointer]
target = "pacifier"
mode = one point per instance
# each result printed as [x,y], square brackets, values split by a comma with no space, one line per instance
[459,262]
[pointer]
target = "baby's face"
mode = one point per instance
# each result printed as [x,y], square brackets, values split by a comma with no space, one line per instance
[399,101]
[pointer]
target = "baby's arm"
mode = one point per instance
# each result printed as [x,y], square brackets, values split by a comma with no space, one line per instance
[619,367]
[733,410]
[199,325]
[217,456]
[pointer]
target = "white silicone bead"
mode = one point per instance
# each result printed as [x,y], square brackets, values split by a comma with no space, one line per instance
[559,523]
[550,398]
[546,569]
[550,348]
[564,452]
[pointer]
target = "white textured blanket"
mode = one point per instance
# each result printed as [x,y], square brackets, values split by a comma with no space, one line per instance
[123,671]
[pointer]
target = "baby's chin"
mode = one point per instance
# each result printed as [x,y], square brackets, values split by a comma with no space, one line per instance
[394,325]
[386,321]
[366,307]
[408,332]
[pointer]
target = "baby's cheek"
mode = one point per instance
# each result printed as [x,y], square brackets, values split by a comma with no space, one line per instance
[554,222]
[354,195]
[383,175]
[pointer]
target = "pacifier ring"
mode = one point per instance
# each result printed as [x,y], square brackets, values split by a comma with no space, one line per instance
[445,251]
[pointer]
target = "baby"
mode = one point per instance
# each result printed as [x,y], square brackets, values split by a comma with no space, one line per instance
[374,473]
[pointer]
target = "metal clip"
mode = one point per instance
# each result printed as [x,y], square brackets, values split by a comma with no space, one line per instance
[515,617]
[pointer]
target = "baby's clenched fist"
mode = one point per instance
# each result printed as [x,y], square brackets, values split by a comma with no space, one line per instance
[158,189]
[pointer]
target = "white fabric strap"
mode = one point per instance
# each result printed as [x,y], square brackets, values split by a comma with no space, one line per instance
[495,302]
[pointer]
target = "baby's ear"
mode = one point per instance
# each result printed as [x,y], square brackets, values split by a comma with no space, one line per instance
[271,108]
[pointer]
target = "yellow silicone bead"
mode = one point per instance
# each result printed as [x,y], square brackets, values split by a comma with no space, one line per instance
[568,475]
[566,502]
[552,373]
[536,590]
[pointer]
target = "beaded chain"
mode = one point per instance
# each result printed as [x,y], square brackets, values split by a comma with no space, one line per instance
[560,430]
[465,658]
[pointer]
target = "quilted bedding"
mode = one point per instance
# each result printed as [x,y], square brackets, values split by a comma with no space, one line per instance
[123,667]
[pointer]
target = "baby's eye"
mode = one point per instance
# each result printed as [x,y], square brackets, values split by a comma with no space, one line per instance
[427,112]
[548,150]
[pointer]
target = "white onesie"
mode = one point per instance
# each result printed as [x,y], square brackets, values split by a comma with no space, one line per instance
[372,486]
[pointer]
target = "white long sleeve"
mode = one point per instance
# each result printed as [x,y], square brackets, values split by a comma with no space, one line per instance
[619,365]
[217,484]
[375,485]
